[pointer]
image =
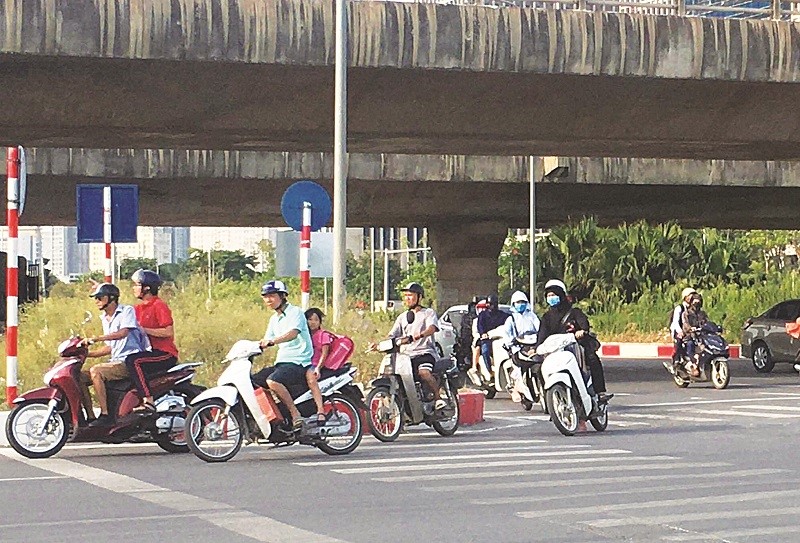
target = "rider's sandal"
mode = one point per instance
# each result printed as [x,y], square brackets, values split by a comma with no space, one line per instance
[297,424]
[321,419]
[146,408]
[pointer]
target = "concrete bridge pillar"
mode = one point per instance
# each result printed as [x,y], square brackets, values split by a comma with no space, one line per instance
[466,260]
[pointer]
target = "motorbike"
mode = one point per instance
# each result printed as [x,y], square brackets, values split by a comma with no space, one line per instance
[568,387]
[712,361]
[45,419]
[396,398]
[498,377]
[222,418]
[527,382]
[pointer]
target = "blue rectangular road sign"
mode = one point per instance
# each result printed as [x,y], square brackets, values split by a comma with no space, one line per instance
[124,213]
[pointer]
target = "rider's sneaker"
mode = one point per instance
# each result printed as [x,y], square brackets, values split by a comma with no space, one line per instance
[603,397]
[440,404]
[472,373]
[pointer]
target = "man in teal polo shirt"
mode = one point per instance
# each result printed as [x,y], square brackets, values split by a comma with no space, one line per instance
[288,330]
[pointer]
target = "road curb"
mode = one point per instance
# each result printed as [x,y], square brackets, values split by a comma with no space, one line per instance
[647,350]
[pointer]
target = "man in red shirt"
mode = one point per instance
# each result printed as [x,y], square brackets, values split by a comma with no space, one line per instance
[155,318]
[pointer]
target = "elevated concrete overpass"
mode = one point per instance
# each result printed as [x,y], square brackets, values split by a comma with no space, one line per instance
[424,78]
[467,202]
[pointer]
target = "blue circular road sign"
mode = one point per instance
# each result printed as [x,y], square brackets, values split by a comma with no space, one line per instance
[306,191]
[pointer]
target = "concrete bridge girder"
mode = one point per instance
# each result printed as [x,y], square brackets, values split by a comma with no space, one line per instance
[424,78]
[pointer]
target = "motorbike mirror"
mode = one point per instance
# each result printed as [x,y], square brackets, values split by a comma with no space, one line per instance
[87,316]
[410,316]
[386,346]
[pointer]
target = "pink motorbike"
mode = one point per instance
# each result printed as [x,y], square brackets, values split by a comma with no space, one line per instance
[44,419]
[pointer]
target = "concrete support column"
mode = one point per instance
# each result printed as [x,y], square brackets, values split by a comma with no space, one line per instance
[466,260]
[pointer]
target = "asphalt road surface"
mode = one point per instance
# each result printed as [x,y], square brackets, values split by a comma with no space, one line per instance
[675,465]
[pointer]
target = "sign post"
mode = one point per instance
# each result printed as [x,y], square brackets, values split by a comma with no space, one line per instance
[12,272]
[107,233]
[297,204]
[305,250]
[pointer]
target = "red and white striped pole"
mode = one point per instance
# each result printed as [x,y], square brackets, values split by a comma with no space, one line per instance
[305,250]
[107,232]
[12,273]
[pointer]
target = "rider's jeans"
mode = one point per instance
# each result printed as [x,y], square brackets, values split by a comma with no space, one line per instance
[486,354]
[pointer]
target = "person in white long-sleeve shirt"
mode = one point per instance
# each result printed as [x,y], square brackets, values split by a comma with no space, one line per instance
[676,326]
[522,322]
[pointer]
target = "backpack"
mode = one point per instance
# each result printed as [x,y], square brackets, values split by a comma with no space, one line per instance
[341,349]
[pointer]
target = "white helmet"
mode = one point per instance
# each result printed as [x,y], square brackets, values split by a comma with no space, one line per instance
[555,283]
[688,291]
[518,296]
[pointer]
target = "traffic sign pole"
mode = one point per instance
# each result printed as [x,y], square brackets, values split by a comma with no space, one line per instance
[107,232]
[305,250]
[339,158]
[12,273]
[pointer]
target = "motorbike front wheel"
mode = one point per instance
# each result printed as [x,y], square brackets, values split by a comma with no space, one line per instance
[212,435]
[344,421]
[720,374]
[385,417]
[562,409]
[448,426]
[25,435]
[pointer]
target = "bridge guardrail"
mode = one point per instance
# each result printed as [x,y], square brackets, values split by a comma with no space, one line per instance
[734,9]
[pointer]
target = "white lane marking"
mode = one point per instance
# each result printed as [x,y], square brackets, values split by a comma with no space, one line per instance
[770,408]
[42,478]
[501,411]
[482,465]
[513,452]
[454,443]
[731,498]
[668,417]
[693,402]
[517,419]
[483,474]
[625,424]
[796,395]
[524,485]
[735,413]
[638,490]
[678,517]
[730,534]
[90,521]
[259,528]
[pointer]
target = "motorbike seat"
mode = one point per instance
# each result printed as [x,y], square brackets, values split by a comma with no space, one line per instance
[442,365]
[325,373]
[120,385]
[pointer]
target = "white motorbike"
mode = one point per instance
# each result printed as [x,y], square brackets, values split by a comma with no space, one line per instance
[567,386]
[498,378]
[223,417]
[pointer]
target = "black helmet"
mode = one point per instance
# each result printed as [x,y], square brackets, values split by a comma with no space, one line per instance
[106,289]
[414,287]
[493,301]
[147,278]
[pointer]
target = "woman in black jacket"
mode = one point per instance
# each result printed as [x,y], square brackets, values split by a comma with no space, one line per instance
[562,318]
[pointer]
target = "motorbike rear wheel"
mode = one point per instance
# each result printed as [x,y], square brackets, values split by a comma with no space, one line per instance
[449,426]
[720,374]
[175,441]
[347,414]
[385,417]
[213,437]
[600,421]
[563,412]
[22,425]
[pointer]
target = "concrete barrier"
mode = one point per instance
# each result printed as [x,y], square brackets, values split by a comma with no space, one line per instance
[470,406]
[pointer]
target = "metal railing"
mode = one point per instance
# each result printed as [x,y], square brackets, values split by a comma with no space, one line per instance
[733,9]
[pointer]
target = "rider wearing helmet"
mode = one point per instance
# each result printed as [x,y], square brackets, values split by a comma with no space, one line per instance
[155,318]
[418,335]
[288,330]
[693,318]
[490,319]
[560,318]
[522,321]
[122,336]
[676,326]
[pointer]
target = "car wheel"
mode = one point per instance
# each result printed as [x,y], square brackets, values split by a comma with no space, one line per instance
[762,358]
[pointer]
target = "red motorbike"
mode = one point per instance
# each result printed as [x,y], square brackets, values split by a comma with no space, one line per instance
[44,419]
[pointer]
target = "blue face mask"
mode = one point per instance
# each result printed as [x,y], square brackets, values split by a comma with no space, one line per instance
[520,307]
[553,301]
